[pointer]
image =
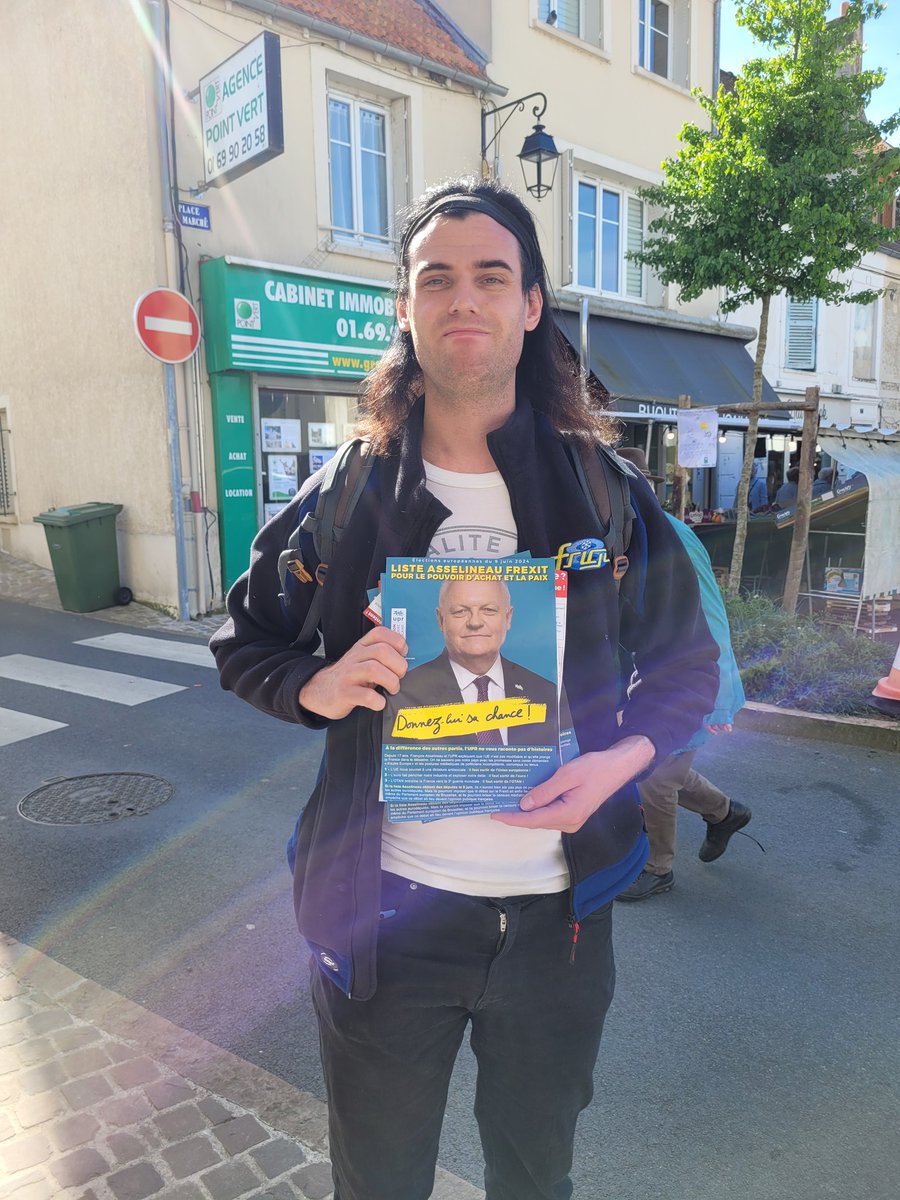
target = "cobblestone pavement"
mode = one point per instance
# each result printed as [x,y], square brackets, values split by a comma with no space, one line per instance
[28,583]
[102,1100]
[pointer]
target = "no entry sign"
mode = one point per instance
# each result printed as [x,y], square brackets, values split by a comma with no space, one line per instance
[166,325]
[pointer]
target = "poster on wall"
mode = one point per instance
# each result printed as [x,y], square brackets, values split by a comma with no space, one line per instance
[282,472]
[321,433]
[280,434]
[272,510]
[318,459]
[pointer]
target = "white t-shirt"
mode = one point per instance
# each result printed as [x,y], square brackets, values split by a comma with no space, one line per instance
[474,855]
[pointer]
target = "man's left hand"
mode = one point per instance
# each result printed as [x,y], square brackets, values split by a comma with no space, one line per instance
[577,789]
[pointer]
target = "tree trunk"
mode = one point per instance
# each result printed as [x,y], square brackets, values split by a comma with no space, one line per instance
[740,503]
[800,535]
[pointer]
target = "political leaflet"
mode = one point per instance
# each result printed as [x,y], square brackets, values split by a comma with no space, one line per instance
[476,723]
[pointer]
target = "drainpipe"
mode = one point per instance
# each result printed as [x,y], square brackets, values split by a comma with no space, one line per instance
[585,336]
[172,429]
[193,411]
[717,45]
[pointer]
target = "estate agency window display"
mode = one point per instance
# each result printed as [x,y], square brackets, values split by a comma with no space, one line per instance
[299,431]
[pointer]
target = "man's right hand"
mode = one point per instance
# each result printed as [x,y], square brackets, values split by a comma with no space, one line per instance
[376,661]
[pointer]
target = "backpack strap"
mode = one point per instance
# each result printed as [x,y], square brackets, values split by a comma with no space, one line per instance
[342,485]
[604,478]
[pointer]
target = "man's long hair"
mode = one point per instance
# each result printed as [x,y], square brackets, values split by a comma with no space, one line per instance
[548,373]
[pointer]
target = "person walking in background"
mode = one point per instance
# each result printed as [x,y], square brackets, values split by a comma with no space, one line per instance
[674,782]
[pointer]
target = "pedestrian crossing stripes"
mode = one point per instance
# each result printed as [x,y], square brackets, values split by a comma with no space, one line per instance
[17,726]
[130,643]
[84,681]
[114,687]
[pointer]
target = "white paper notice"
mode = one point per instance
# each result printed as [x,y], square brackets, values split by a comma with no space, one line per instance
[698,430]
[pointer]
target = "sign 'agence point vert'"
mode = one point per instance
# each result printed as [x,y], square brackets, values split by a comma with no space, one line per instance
[240,111]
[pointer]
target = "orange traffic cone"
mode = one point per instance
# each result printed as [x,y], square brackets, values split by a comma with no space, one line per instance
[886,693]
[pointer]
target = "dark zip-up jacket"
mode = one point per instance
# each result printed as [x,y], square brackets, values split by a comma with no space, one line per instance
[657,618]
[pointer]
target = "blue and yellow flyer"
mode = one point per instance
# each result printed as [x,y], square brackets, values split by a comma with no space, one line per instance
[475,724]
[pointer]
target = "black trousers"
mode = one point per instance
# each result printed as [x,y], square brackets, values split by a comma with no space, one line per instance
[445,960]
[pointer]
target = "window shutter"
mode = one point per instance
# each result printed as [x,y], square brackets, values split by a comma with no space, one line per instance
[568,16]
[593,22]
[634,240]
[567,219]
[864,321]
[800,335]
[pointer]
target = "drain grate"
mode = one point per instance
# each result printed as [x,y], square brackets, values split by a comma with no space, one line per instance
[86,799]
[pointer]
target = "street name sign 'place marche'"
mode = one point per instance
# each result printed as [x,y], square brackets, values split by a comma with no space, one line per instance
[167,325]
[193,216]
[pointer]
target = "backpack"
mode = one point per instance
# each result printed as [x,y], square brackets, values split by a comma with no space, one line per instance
[603,477]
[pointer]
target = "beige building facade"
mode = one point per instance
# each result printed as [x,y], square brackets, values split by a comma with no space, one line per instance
[292,278]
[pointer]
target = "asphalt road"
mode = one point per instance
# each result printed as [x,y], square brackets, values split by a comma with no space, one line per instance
[753,1048]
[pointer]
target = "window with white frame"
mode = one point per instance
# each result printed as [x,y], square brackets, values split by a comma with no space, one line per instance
[864,322]
[359,168]
[654,25]
[582,19]
[801,328]
[664,39]
[608,224]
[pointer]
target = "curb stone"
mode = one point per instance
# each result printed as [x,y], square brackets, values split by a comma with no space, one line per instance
[791,722]
[155,1111]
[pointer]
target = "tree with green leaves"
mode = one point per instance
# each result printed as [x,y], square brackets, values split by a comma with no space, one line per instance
[780,194]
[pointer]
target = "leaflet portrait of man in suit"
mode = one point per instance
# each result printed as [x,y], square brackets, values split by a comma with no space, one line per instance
[474,617]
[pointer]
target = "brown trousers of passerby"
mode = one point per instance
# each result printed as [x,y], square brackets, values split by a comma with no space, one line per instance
[674,783]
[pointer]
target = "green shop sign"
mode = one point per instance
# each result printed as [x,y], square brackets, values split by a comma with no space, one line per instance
[258,318]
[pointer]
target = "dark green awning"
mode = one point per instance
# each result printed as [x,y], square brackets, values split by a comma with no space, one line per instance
[655,364]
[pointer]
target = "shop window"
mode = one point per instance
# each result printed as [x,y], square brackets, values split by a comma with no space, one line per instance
[608,222]
[663,39]
[582,19]
[801,327]
[7,490]
[864,322]
[299,431]
[359,168]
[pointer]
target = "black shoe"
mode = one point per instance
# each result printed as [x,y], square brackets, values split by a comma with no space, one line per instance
[718,834]
[648,885]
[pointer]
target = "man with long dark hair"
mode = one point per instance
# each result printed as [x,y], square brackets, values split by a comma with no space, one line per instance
[500,924]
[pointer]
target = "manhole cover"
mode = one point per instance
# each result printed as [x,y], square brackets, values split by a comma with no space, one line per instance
[85,799]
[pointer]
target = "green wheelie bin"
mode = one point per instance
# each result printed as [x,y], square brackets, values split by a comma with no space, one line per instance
[82,543]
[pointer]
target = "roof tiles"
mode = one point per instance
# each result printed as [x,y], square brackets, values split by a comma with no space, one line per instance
[403,24]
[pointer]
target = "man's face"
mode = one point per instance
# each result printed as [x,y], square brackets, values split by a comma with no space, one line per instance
[465,308]
[474,616]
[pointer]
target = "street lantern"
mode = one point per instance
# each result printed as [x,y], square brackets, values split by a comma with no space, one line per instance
[538,150]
